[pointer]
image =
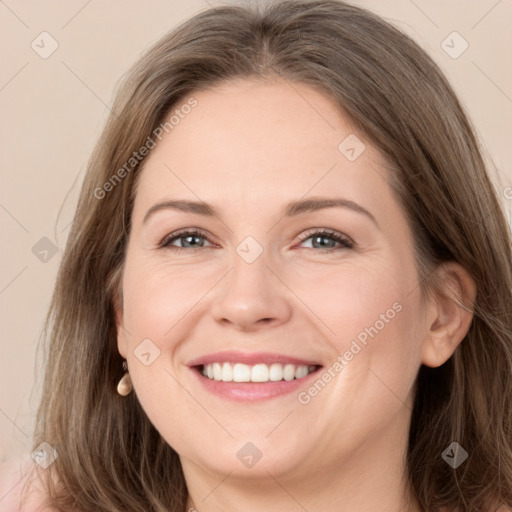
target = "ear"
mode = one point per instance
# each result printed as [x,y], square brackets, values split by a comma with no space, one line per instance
[450,314]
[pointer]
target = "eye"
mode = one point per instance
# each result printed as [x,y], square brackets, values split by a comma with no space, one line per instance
[320,236]
[190,238]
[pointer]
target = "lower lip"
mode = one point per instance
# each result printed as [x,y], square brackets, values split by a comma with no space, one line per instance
[251,391]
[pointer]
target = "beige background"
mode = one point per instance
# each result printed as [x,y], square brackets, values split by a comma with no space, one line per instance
[53,110]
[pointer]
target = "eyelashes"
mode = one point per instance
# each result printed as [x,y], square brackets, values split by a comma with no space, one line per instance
[345,241]
[186,233]
[314,234]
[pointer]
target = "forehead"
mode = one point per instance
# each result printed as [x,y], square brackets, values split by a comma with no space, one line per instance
[254,140]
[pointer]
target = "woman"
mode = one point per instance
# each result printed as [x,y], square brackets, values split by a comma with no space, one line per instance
[287,285]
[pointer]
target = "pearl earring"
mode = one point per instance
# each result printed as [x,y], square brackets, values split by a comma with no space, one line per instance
[124,386]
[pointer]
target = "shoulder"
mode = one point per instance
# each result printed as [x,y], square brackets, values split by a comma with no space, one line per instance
[17,475]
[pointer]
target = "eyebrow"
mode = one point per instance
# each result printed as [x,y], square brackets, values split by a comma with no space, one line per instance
[292,209]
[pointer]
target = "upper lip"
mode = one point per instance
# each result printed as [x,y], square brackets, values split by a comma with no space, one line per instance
[250,358]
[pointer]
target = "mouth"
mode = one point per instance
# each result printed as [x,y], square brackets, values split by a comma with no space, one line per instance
[260,372]
[243,376]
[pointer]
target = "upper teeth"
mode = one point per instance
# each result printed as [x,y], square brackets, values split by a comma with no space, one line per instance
[240,372]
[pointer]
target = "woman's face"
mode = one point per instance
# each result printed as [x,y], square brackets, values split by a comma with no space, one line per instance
[262,291]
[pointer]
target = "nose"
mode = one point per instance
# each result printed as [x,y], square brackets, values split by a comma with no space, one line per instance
[251,296]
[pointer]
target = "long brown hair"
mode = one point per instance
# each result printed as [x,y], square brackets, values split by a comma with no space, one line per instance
[110,457]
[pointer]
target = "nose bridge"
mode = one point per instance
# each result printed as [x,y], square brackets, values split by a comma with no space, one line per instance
[250,276]
[250,264]
[251,292]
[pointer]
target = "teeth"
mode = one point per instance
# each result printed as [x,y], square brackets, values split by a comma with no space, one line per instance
[241,373]
[217,371]
[276,372]
[259,373]
[227,372]
[238,372]
[289,372]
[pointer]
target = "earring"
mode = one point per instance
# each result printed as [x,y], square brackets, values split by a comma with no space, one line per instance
[124,387]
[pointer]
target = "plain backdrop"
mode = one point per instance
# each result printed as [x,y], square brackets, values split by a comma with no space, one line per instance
[54,107]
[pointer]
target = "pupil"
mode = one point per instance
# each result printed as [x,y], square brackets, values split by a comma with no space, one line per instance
[317,238]
[191,237]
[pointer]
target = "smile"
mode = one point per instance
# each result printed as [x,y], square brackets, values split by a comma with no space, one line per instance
[252,376]
[240,372]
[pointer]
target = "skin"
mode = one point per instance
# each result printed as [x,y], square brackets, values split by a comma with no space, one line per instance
[249,148]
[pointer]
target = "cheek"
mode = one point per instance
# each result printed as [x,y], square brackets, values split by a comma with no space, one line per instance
[158,296]
[383,352]
[157,304]
[369,315]
[349,298]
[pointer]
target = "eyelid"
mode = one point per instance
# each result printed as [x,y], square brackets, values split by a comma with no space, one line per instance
[182,232]
[331,233]
[345,241]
